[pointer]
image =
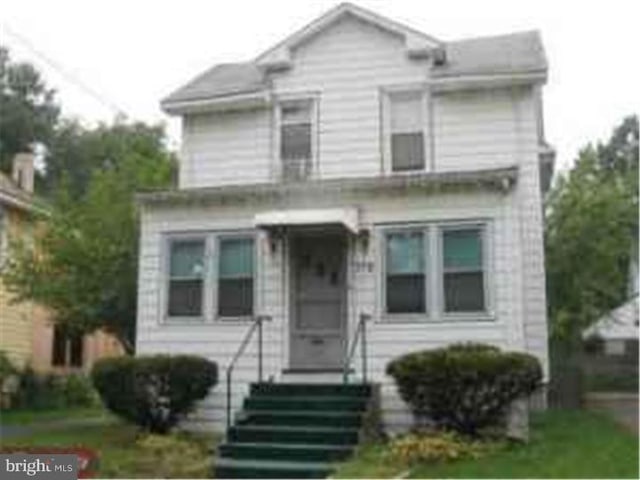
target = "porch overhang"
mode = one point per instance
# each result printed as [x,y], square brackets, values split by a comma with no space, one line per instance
[497,179]
[346,217]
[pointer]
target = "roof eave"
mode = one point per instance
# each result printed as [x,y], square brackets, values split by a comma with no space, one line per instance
[235,101]
[491,80]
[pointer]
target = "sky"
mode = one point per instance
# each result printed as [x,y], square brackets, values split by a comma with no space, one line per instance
[108,56]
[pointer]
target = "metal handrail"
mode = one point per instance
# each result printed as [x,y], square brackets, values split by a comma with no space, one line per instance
[361,332]
[257,324]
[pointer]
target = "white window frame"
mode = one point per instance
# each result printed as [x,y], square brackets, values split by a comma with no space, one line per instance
[209,313]
[387,93]
[283,100]
[166,277]
[215,264]
[427,274]
[487,273]
[434,271]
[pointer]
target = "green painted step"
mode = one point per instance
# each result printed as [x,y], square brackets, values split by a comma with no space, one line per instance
[300,418]
[232,468]
[310,389]
[285,451]
[331,403]
[290,434]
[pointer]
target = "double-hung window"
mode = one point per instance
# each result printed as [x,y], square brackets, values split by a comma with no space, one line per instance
[186,277]
[235,277]
[202,286]
[296,139]
[405,281]
[407,131]
[436,271]
[463,270]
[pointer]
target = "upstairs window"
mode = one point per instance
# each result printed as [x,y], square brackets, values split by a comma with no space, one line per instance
[296,132]
[235,277]
[407,132]
[186,278]
[463,270]
[405,272]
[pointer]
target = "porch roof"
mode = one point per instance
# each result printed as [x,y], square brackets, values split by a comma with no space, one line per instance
[497,179]
[347,217]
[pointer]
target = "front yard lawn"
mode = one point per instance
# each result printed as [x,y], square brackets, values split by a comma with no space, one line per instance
[564,444]
[37,417]
[125,453]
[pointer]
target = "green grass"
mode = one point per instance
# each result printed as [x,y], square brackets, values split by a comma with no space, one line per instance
[35,417]
[125,453]
[564,444]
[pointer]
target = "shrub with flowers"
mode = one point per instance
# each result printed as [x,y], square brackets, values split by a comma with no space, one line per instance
[436,447]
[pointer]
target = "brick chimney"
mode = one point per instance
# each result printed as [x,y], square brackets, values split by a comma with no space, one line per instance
[23,171]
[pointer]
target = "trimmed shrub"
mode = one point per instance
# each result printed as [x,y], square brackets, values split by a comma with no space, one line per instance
[156,391]
[464,387]
[43,391]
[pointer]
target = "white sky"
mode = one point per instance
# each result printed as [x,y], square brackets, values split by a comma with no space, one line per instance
[133,53]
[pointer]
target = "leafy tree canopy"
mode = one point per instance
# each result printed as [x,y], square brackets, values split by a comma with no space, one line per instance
[82,262]
[28,111]
[591,232]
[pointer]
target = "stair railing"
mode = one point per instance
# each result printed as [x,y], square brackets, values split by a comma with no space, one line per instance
[359,336]
[255,325]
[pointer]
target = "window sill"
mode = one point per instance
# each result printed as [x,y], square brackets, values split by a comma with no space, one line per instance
[183,321]
[442,319]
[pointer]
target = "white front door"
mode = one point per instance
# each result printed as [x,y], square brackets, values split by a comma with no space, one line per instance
[318,313]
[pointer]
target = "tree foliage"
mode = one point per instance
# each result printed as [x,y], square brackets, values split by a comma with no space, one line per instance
[82,261]
[591,231]
[28,111]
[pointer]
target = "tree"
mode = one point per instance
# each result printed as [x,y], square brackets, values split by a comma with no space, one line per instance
[28,111]
[82,261]
[590,232]
[75,153]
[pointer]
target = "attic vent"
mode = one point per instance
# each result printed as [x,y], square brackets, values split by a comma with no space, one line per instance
[439,56]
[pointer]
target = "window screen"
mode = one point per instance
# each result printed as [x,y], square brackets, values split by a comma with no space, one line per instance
[405,277]
[463,270]
[186,275]
[407,138]
[295,132]
[235,277]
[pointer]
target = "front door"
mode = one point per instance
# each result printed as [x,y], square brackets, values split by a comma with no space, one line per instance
[318,313]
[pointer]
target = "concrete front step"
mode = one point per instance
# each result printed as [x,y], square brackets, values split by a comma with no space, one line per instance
[289,434]
[315,403]
[293,430]
[311,389]
[300,418]
[286,451]
[233,468]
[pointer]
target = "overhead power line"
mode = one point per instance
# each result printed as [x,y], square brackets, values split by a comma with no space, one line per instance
[65,73]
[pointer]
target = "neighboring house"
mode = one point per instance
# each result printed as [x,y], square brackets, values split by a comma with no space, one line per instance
[357,168]
[27,335]
[618,330]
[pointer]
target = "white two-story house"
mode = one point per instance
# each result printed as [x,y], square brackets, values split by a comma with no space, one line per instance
[358,176]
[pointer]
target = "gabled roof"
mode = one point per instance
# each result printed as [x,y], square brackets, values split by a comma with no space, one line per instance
[222,80]
[518,54]
[418,44]
[619,324]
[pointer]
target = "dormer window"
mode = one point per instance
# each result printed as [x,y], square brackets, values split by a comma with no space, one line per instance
[296,139]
